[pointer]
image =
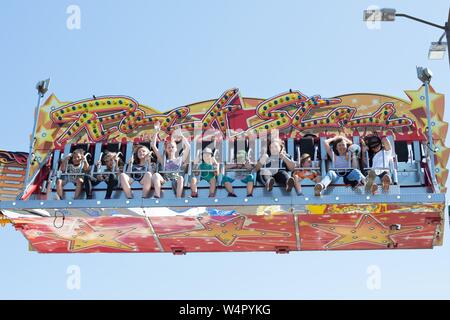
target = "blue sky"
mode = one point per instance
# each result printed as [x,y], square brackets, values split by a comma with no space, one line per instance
[171,53]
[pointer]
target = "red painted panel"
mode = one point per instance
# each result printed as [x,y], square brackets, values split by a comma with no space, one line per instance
[366,231]
[226,233]
[86,235]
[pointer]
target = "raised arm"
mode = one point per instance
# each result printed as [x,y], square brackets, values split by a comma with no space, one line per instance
[327,143]
[186,148]
[85,167]
[364,150]
[65,162]
[154,146]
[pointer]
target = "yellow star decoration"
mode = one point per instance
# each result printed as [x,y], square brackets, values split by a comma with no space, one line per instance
[226,232]
[367,230]
[84,236]
[4,220]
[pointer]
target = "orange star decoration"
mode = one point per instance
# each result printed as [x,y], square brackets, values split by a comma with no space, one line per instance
[85,236]
[4,220]
[226,232]
[367,229]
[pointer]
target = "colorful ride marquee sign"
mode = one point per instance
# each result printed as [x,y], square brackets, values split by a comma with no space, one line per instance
[122,119]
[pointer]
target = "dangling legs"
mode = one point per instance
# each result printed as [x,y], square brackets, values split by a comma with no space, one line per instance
[194,190]
[78,188]
[146,184]
[180,186]
[212,187]
[60,188]
[157,180]
[125,183]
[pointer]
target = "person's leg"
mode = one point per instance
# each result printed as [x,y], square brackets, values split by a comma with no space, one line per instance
[78,188]
[228,186]
[146,183]
[250,184]
[212,187]
[371,186]
[180,181]
[330,177]
[355,177]
[267,181]
[112,182]
[281,178]
[60,188]
[261,179]
[157,181]
[88,186]
[125,183]
[194,190]
[297,184]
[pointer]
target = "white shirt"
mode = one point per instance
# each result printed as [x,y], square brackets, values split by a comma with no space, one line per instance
[380,161]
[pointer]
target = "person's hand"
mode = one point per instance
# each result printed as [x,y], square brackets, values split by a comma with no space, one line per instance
[363,145]
[177,135]
[283,154]
[264,158]
[157,126]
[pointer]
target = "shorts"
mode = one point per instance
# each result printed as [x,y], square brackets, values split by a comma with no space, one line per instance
[207,177]
[171,176]
[71,178]
[137,176]
[248,178]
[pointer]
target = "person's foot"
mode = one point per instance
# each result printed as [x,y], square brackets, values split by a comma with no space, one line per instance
[250,195]
[290,184]
[374,188]
[211,195]
[231,194]
[318,189]
[269,184]
[89,196]
[194,195]
[386,182]
[370,181]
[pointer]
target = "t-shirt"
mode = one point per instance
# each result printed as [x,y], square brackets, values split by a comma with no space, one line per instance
[139,168]
[71,168]
[207,174]
[173,164]
[379,162]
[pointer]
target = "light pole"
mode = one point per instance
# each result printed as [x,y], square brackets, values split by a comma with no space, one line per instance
[424,75]
[437,49]
[42,88]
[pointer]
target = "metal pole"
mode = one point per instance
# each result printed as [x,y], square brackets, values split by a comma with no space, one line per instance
[420,20]
[30,155]
[430,135]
